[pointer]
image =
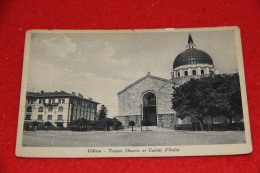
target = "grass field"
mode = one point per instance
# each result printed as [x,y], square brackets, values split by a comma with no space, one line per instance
[128,138]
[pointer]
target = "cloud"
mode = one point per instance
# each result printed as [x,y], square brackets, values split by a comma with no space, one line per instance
[58,47]
[101,58]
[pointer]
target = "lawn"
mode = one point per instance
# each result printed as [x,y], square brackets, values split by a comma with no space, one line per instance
[128,138]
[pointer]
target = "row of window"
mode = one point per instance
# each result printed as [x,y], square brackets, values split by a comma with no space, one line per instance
[31,101]
[75,117]
[43,101]
[50,109]
[60,109]
[83,104]
[40,117]
[81,110]
[51,101]
[194,72]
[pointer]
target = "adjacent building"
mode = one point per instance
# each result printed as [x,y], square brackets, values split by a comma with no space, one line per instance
[149,98]
[58,107]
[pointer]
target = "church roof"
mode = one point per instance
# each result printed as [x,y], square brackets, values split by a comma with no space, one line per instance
[192,56]
[143,78]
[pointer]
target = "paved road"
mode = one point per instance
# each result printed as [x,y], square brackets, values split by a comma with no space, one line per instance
[144,128]
[128,138]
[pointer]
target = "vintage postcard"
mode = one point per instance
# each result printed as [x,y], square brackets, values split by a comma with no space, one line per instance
[133,93]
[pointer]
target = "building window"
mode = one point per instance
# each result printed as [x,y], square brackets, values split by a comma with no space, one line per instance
[39,117]
[59,100]
[193,72]
[53,101]
[60,117]
[185,73]
[40,101]
[40,109]
[49,117]
[31,101]
[63,100]
[29,109]
[202,72]
[50,109]
[179,74]
[60,109]
[49,101]
[28,117]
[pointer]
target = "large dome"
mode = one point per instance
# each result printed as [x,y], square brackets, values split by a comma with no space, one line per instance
[192,56]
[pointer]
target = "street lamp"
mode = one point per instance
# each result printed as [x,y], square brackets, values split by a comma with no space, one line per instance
[141,118]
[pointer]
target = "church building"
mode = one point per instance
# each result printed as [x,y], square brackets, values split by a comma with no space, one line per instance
[149,98]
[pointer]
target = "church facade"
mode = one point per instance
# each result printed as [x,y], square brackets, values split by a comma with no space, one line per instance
[149,98]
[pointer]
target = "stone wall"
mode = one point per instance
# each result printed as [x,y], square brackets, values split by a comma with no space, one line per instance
[130,99]
[167,120]
[126,119]
[163,120]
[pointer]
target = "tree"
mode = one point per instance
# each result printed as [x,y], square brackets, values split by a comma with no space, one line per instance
[47,123]
[132,123]
[117,124]
[208,120]
[102,112]
[81,123]
[215,95]
[91,124]
[34,124]
[108,123]
[59,124]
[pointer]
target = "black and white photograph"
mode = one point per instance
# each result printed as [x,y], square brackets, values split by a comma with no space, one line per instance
[133,93]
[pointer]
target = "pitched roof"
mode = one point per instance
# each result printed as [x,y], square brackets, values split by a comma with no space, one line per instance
[146,76]
[55,94]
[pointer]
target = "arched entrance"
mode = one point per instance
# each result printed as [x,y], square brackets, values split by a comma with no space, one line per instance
[149,108]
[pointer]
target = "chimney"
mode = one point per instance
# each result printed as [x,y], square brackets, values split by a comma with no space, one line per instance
[73,93]
[42,91]
[80,95]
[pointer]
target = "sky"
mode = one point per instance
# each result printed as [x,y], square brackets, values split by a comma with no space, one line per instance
[99,65]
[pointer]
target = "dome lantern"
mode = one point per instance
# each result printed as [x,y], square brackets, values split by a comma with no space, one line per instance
[190,43]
